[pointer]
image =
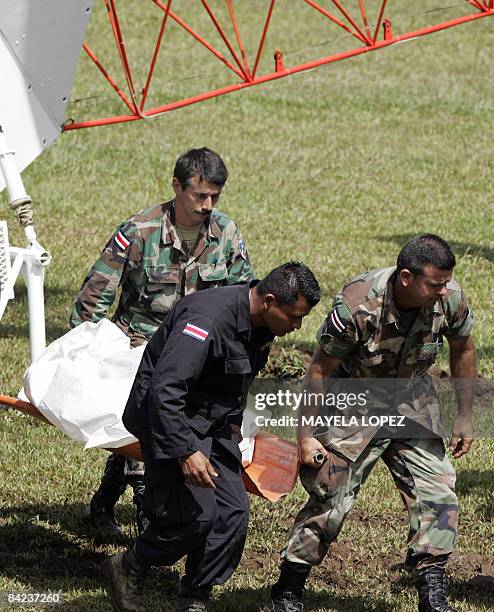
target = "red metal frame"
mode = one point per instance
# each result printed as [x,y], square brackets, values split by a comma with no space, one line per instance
[345,18]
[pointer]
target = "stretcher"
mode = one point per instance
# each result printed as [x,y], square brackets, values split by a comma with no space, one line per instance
[270,474]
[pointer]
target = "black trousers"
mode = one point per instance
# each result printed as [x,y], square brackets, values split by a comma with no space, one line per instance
[209,526]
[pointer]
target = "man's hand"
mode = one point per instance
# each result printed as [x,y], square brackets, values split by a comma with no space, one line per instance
[198,471]
[462,436]
[309,449]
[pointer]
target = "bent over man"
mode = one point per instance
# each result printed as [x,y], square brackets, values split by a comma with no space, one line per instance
[388,324]
[186,408]
[157,256]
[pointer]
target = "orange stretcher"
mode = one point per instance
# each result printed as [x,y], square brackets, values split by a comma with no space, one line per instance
[271,474]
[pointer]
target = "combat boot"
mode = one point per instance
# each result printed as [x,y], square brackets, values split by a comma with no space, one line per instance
[287,594]
[102,505]
[193,600]
[431,586]
[126,576]
[102,514]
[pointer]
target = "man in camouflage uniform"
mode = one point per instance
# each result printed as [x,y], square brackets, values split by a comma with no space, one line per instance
[388,324]
[156,257]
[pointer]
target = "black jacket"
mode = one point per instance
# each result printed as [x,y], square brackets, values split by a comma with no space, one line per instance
[195,372]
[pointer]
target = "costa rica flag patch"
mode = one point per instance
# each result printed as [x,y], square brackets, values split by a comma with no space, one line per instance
[121,240]
[196,332]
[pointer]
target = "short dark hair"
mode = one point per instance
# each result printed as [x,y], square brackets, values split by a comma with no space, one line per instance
[204,163]
[423,250]
[290,281]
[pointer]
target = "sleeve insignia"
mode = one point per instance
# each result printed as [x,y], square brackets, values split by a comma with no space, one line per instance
[121,241]
[336,323]
[196,332]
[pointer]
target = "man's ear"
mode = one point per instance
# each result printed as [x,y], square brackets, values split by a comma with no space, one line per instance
[406,277]
[268,301]
[177,187]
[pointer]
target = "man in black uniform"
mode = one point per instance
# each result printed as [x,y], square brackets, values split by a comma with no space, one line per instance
[186,409]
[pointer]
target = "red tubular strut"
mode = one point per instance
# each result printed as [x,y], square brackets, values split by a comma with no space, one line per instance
[263,37]
[239,39]
[107,76]
[155,56]
[224,37]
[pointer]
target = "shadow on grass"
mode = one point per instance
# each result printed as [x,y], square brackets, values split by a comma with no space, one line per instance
[55,326]
[50,548]
[470,480]
[460,248]
[248,599]
[47,560]
[69,519]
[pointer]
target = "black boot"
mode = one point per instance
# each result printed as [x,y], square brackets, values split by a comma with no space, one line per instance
[127,575]
[102,506]
[431,586]
[193,600]
[287,594]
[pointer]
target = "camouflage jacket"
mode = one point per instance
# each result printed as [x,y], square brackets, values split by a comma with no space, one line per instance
[147,259]
[363,330]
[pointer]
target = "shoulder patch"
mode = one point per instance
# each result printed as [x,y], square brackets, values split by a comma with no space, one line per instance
[196,332]
[121,241]
[336,321]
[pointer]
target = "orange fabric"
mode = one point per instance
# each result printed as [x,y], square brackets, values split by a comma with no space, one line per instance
[274,467]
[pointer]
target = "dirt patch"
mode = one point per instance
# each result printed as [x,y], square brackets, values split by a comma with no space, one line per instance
[470,565]
[344,562]
[256,560]
[359,515]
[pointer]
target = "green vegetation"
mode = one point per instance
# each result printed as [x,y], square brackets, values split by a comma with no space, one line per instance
[336,167]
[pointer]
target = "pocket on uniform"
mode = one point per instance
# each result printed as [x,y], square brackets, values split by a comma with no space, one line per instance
[213,273]
[173,506]
[161,288]
[159,275]
[237,365]
[327,482]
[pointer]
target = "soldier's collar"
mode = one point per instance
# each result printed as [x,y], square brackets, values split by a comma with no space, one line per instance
[427,314]
[213,229]
[169,233]
[243,307]
[390,312]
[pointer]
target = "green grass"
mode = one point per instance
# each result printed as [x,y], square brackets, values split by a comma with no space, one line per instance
[336,167]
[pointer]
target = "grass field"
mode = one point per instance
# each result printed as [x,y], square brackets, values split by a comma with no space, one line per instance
[336,167]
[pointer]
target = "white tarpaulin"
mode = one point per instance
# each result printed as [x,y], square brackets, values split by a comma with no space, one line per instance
[40,45]
[81,383]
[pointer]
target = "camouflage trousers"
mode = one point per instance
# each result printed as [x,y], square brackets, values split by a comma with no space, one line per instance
[425,480]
